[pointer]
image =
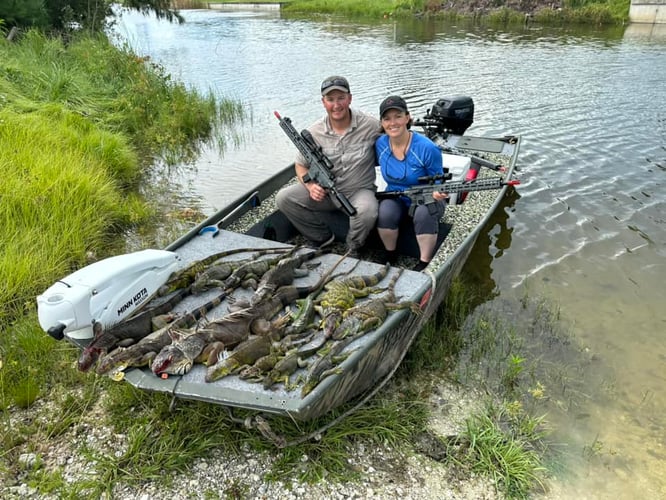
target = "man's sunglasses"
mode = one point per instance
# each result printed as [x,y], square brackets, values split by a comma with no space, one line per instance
[336,82]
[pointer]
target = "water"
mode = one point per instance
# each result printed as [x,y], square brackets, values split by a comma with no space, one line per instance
[588,227]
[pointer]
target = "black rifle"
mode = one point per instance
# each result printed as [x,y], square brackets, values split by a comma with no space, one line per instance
[422,193]
[321,168]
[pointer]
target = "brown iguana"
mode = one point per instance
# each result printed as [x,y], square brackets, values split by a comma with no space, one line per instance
[281,349]
[243,321]
[184,350]
[214,275]
[283,369]
[142,352]
[255,372]
[186,276]
[126,332]
[283,273]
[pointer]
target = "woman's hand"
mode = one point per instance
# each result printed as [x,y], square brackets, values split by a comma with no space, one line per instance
[440,196]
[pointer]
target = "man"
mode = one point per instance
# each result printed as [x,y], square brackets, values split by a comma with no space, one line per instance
[347,137]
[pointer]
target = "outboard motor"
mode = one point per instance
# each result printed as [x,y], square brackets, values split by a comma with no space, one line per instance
[106,292]
[449,115]
[455,113]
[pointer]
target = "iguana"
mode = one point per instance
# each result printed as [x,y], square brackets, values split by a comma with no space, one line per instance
[242,321]
[338,296]
[214,275]
[142,352]
[341,294]
[186,276]
[126,332]
[284,273]
[184,350]
[356,321]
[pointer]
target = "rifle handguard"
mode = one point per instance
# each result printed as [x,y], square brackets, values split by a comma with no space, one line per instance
[320,165]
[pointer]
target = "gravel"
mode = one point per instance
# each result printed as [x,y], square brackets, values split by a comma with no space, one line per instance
[384,472]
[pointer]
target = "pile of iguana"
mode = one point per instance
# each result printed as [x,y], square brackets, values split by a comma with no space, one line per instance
[298,342]
[356,321]
[343,320]
[255,339]
[181,284]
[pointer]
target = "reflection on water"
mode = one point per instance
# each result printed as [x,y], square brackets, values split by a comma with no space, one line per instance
[646,32]
[494,239]
[587,230]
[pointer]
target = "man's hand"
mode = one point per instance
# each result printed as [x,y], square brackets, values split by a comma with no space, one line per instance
[317,193]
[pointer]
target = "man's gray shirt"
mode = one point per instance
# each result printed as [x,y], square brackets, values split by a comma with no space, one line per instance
[352,154]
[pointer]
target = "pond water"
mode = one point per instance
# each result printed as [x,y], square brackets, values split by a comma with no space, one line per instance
[587,229]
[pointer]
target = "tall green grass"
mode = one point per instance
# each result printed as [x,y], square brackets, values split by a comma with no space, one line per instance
[494,446]
[81,125]
[376,9]
[59,176]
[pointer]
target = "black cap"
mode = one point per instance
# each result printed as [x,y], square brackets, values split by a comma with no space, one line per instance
[335,83]
[392,102]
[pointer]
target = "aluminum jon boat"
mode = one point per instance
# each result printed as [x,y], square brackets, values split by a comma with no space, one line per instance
[113,291]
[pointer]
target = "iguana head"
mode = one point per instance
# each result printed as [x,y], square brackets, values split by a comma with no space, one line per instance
[88,357]
[91,353]
[171,360]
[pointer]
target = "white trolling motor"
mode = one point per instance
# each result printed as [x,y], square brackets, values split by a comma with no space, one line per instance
[105,292]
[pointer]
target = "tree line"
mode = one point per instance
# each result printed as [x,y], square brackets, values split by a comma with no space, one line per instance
[64,15]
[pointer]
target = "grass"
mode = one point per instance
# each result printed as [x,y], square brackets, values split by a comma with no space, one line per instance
[495,445]
[595,12]
[53,186]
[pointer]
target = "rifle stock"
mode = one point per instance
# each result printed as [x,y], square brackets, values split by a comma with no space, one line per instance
[321,167]
[422,194]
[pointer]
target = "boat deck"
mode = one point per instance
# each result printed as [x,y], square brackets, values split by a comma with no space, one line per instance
[232,390]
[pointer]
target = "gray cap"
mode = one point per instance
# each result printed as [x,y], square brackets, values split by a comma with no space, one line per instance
[335,83]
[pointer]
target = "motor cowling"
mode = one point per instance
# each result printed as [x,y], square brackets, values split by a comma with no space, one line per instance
[107,292]
[453,114]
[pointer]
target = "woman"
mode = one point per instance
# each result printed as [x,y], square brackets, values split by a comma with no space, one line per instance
[403,157]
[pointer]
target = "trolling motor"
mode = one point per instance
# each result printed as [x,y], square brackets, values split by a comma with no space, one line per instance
[104,292]
[449,115]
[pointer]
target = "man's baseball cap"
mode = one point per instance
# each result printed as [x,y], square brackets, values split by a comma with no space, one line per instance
[335,83]
[393,102]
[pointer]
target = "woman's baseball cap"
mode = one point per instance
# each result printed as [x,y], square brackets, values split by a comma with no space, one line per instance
[393,102]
